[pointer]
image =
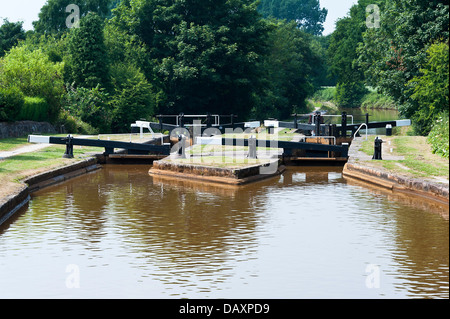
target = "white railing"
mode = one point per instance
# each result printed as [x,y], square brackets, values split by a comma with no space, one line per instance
[363,124]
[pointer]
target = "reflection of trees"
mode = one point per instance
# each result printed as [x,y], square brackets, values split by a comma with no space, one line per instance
[422,247]
[192,234]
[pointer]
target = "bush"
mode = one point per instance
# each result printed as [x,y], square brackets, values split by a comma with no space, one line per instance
[375,100]
[133,97]
[34,74]
[11,103]
[325,94]
[439,135]
[89,105]
[350,94]
[74,125]
[34,109]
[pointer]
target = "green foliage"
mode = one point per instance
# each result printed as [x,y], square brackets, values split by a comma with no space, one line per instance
[288,59]
[34,109]
[438,137]
[89,105]
[307,14]
[53,15]
[87,62]
[10,34]
[133,97]
[393,54]
[325,94]
[350,94]
[342,55]
[11,103]
[34,75]
[205,51]
[375,100]
[73,125]
[431,88]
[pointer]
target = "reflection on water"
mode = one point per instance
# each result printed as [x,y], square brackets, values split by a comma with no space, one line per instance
[119,233]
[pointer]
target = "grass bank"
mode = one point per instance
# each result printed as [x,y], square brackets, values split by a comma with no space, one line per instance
[324,98]
[413,156]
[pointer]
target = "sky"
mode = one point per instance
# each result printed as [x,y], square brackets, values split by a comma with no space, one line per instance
[27,11]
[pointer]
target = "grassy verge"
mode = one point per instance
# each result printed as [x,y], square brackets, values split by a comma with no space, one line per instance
[9,144]
[418,158]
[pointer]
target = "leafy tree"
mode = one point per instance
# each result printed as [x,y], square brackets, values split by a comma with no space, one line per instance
[87,64]
[287,70]
[11,103]
[34,75]
[393,54]
[306,13]
[132,99]
[89,105]
[53,15]
[430,90]
[10,34]
[343,54]
[204,51]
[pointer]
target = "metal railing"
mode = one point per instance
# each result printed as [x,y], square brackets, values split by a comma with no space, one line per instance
[356,132]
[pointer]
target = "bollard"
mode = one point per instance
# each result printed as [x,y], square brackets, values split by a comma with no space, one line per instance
[69,147]
[317,121]
[377,151]
[252,147]
[182,146]
[344,124]
[388,130]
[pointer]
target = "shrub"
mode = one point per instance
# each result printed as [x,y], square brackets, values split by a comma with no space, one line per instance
[34,109]
[11,103]
[133,97]
[439,135]
[74,125]
[89,105]
[34,74]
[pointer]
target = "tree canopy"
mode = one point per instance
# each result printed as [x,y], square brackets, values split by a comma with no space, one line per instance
[306,13]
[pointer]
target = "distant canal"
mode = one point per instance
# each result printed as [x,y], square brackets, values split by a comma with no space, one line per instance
[310,233]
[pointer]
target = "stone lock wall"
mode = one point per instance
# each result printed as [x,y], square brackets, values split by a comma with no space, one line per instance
[24,128]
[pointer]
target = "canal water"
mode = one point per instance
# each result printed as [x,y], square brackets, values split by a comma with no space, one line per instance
[309,233]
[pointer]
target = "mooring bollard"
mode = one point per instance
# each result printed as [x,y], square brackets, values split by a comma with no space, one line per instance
[377,151]
[69,147]
[252,147]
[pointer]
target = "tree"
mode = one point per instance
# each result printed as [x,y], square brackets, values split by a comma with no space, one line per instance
[306,13]
[53,15]
[393,54]
[10,34]
[133,97]
[287,69]
[430,90]
[343,54]
[87,64]
[31,71]
[204,51]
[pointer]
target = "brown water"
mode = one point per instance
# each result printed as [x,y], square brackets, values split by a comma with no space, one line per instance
[119,233]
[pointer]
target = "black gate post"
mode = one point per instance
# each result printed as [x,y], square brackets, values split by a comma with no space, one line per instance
[344,124]
[377,149]
[317,120]
[69,147]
